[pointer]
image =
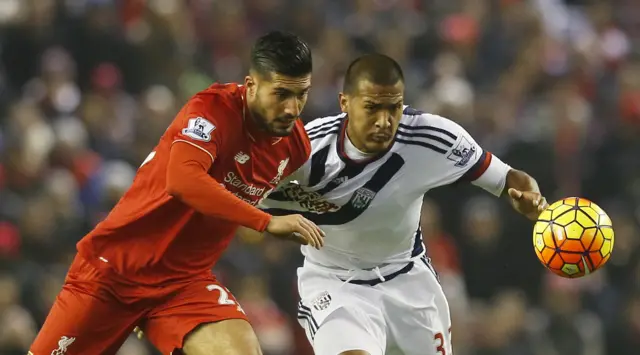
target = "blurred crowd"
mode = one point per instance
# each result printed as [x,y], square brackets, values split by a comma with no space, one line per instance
[551,86]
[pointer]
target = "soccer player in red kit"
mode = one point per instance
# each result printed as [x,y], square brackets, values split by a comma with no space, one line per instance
[149,262]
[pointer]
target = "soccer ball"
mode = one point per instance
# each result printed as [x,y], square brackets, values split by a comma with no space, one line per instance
[573,237]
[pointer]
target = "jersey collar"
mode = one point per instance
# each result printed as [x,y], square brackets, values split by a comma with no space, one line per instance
[343,155]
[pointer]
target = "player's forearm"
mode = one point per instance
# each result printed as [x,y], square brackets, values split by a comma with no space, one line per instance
[206,196]
[248,233]
[188,181]
[519,180]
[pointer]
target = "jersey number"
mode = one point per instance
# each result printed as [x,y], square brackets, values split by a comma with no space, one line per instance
[223,299]
[439,343]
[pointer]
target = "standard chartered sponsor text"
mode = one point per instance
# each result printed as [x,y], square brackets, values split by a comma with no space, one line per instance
[242,189]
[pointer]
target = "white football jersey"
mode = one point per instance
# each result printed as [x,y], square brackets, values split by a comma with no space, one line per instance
[370,210]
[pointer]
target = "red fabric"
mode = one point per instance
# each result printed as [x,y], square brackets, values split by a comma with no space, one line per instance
[88,299]
[630,107]
[10,241]
[131,11]
[444,253]
[152,237]
[188,180]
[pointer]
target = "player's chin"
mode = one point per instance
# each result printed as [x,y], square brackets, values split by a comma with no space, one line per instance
[282,130]
[378,145]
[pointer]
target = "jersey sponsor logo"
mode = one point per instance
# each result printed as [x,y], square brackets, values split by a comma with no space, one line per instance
[63,344]
[309,200]
[267,193]
[281,167]
[199,129]
[462,153]
[245,191]
[322,302]
[362,198]
[242,157]
[248,189]
[358,203]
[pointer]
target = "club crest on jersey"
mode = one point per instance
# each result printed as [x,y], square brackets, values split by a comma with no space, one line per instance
[462,153]
[322,302]
[362,198]
[199,129]
[281,167]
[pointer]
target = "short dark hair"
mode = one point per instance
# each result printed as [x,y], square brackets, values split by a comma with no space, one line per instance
[377,68]
[281,53]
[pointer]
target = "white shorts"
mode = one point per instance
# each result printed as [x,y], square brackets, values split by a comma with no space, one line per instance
[407,314]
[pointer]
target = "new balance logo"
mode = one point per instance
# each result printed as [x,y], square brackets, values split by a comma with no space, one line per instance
[242,157]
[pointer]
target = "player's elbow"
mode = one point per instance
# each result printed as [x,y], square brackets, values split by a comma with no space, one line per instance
[173,191]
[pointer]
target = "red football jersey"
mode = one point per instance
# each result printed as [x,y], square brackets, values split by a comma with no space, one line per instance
[151,237]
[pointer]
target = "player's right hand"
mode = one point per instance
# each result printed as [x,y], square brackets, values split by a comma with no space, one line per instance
[297,228]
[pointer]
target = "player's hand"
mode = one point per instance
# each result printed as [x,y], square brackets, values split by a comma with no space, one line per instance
[296,228]
[528,203]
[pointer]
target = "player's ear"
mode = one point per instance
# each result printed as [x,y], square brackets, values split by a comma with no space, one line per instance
[250,84]
[344,102]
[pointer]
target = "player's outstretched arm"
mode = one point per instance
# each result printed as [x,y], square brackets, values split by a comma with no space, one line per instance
[467,161]
[307,233]
[524,194]
[187,180]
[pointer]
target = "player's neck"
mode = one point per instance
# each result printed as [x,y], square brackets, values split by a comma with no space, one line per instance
[352,151]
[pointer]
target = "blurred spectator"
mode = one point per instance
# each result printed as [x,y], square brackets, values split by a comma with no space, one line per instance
[567,328]
[551,86]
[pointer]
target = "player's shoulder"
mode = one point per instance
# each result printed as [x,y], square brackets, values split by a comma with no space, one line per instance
[300,140]
[219,100]
[425,131]
[420,120]
[324,122]
[324,129]
[208,112]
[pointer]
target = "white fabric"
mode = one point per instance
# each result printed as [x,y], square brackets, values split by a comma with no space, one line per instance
[398,317]
[432,151]
[494,178]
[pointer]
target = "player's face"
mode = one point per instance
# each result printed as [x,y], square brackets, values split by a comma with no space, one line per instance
[374,113]
[276,101]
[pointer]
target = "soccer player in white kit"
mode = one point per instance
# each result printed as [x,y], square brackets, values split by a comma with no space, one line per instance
[371,289]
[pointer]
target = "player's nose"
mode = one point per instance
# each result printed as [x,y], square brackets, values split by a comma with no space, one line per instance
[293,107]
[384,120]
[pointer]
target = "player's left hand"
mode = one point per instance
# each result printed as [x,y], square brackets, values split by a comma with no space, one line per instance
[528,203]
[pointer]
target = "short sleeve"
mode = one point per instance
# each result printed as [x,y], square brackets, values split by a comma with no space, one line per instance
[198,125]
[466,161]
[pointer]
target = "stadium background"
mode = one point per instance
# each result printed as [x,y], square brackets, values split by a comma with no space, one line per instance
[88,86]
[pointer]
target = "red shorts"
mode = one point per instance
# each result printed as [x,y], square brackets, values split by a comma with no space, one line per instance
[94,315]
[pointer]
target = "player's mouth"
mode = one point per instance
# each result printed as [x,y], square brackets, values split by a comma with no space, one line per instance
[381,137]
[286,122]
